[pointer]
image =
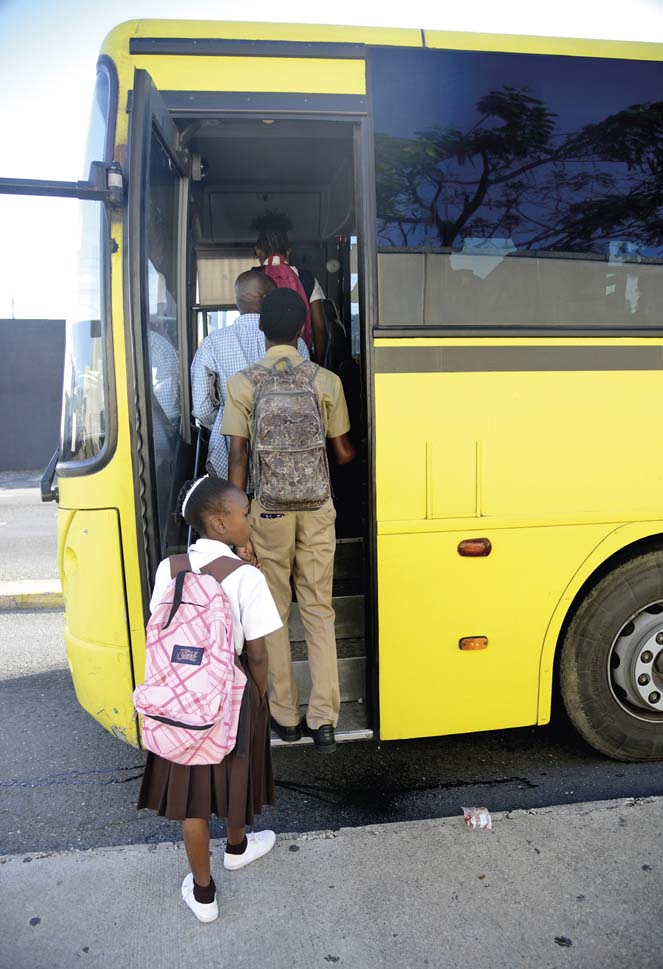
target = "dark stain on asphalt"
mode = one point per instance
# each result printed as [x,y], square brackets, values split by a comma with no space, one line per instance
[95,776]
[35,921]
[364,797]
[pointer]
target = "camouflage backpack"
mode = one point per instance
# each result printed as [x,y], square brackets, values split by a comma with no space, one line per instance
[289,463]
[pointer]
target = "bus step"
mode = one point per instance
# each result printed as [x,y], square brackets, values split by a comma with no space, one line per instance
[349,618]
[349,558]
[351,679]
[345,648]
[353,724]
[349,567]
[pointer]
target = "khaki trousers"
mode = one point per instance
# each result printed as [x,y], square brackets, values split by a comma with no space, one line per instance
[301,544]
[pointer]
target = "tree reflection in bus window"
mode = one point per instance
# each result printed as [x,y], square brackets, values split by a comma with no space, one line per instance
[530,187]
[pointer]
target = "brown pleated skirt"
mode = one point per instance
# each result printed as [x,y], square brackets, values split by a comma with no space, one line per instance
[237,789]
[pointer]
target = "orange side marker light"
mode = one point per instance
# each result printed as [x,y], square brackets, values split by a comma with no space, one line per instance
[471,643]
[475,547]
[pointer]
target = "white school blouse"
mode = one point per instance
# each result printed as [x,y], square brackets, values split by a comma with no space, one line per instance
[251,604]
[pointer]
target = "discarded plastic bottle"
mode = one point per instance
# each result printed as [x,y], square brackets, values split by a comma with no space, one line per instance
[477,818]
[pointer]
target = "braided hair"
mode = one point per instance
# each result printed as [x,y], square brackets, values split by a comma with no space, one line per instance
[199,498]
[272,229]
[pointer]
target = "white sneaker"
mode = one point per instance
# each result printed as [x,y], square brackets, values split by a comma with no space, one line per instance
[259,844]
[204,912]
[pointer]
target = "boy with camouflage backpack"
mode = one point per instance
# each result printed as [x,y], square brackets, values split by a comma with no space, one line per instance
[281,412]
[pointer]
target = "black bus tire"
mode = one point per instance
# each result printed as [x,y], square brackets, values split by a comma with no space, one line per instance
[597,707]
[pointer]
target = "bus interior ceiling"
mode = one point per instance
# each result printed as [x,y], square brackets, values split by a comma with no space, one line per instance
[302,168]
[305,169]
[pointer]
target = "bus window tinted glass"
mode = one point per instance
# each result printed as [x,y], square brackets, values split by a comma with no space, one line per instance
[162,331]
[83,429]
[517,188]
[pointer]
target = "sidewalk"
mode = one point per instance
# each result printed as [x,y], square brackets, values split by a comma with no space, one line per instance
[575,886]
[28,545]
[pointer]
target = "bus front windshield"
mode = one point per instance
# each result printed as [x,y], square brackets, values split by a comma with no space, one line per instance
[84,420]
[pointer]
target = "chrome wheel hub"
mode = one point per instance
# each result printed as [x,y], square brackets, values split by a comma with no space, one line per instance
[636,664]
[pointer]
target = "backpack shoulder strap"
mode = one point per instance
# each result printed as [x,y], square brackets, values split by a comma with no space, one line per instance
[307,279]
[179,563]
[310,370]
[179,566]
[222,567]
[255,374]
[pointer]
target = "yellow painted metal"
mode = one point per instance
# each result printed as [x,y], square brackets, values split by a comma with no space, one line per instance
[89,646]
[540,463]
[96,628]
[429,598]
[528,425]
[112,485]
[117,41]
[277,75]
[231,73]
[566,46]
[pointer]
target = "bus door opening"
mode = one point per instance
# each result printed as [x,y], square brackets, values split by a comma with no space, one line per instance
[305,170]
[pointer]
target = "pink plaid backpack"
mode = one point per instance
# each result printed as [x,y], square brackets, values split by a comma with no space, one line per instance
[194,684]
[286,278]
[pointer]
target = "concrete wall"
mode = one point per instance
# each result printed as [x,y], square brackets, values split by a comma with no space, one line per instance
[31,368]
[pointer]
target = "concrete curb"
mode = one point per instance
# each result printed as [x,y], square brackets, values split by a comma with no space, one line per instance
[576,887]
[31,594]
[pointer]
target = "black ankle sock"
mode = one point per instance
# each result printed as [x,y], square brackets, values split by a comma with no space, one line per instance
[238,849]
[204,893]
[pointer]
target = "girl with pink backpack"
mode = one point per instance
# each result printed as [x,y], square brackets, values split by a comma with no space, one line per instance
[273,251]
[182,783]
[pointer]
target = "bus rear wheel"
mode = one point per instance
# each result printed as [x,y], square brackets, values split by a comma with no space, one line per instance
[611,668]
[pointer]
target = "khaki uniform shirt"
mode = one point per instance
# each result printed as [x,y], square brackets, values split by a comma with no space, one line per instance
[238,414]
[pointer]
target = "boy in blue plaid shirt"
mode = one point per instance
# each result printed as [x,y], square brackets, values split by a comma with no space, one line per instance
[224,353]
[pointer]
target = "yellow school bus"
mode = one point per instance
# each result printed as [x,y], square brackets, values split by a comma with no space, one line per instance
[484,214]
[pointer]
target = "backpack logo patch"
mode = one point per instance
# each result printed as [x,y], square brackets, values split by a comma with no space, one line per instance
[190,655]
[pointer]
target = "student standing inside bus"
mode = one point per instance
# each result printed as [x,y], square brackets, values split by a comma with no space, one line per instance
[242,784]
[273,251]
[297,543]
[224,353]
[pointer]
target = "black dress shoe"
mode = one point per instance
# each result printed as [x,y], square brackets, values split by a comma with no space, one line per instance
[323,737]
[290,735]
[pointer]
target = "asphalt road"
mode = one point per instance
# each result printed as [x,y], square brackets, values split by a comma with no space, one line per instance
[28,536]
[66,783]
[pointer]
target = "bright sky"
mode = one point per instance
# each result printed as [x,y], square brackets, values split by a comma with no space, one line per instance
[48,52]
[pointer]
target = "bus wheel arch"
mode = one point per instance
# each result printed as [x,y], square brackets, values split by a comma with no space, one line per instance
[609,660]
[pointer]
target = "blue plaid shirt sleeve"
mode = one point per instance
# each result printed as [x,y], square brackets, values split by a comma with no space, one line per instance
[230,357]
[303,349]
[204,384]
[165,367]
[220,355]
